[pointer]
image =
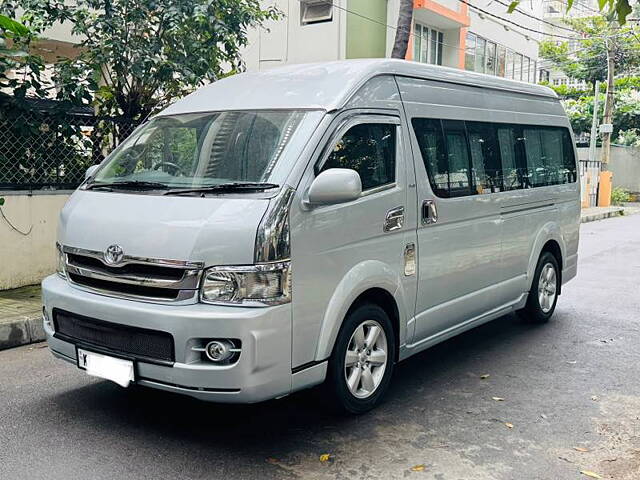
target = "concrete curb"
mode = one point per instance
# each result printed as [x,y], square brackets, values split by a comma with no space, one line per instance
[21,332]
[610,212]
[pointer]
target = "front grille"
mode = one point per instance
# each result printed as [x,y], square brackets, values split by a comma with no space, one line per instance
[137,342]
[125,289]
[146,270]
[137,278]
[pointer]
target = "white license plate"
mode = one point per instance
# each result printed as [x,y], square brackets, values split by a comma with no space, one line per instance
[117,370]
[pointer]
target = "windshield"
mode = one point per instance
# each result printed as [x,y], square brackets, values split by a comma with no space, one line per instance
[202,149]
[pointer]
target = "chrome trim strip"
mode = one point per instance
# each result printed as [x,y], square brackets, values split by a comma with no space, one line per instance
[182,294]
[189,280]
[130,259]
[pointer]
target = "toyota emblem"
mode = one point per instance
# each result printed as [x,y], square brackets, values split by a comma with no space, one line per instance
[113,255]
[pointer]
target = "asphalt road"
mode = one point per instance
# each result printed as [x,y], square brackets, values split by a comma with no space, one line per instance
[573,383]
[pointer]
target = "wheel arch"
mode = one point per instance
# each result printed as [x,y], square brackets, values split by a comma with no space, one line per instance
[549,239]
[370,281]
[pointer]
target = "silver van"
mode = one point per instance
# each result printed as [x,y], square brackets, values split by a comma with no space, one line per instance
[314,223]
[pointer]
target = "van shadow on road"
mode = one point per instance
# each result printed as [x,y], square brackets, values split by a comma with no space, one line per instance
[299,423]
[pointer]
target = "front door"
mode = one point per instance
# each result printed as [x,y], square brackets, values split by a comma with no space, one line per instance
[329,241]
[459,229]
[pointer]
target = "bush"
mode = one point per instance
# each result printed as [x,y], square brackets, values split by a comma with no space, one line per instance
[619,196]
[629,138]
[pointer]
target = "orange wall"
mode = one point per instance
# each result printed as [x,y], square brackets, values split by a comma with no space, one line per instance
[460,16]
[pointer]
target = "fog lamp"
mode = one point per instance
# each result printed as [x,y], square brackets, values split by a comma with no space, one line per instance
[218,350]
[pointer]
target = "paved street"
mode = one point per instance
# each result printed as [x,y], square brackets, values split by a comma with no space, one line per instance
[567,386]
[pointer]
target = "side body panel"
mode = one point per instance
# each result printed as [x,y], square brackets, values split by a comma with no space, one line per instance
[340,251]
[477,261]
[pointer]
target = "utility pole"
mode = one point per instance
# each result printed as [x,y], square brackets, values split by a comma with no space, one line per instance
[594,124]
[607,119]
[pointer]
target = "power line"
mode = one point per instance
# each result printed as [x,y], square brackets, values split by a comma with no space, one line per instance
[392,27]
[526,14]
[533,30]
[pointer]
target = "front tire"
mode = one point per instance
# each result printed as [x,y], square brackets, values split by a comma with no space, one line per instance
[543,296]
[362,361]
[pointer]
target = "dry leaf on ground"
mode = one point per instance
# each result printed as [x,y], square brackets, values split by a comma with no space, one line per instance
[590,474]
[325,457]
[508,425]
[418,468]
[485,376]
[498,399]
[581,449]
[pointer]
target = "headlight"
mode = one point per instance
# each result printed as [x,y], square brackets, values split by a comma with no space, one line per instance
[253,285]
[62,260]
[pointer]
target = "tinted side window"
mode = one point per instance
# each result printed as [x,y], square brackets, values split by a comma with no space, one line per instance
[431,141]
[445,153]
[468,158]
[458,158]
[549,156]
[370,150]
[485,157]
[513,164]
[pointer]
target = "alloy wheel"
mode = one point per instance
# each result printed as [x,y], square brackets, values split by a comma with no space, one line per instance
[547,287]
[366,359]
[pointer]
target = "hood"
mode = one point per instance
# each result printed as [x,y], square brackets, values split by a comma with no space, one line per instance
[214,230]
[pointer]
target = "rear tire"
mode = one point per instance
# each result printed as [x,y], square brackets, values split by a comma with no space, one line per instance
[543,295]
[362,361]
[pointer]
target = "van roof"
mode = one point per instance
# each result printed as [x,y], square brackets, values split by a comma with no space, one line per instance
[326,86]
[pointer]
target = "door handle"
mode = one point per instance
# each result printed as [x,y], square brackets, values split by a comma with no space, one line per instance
[394,219]
[429,212]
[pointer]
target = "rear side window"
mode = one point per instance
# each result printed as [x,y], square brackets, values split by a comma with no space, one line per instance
[478,158]
[458,158]
[485,157]
[445,152]
[548,151]
[370,150]
[514,167]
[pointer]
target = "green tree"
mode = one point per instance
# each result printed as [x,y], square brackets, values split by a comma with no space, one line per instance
[135,56]
[589,61]
[618,9]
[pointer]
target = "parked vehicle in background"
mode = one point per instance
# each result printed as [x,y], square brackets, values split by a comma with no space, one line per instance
[315,223]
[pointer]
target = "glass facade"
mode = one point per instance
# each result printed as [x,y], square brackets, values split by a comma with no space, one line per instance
[485,56]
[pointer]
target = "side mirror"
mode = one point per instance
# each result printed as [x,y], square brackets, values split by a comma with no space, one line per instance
[336,185]
[90,171]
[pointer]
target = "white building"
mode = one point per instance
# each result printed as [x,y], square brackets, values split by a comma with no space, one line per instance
[457,33]
[554,14]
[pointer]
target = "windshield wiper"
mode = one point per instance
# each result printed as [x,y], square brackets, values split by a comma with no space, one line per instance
[130,185]
[225,187]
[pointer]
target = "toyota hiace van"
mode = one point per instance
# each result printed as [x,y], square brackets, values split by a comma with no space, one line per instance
[314,223]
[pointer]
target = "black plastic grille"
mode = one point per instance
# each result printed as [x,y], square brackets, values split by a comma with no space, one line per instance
[134,341]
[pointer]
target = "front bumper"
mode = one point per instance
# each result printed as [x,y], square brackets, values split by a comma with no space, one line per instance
[262,372]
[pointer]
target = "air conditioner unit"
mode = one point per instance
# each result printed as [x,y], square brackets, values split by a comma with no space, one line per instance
[315,11]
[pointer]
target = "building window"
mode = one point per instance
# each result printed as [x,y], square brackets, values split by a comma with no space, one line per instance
[517,66]
[315,11]
[509,68]
[427,47]
[501,60]
[491,58]
[481,44]
[470,52]
[485,56]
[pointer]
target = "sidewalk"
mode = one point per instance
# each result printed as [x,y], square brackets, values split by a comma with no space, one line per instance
[599,213]
[20,317]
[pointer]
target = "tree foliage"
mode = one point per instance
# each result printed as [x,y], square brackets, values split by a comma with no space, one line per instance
[618,9]
[135,56]
[589,61]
